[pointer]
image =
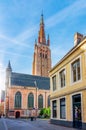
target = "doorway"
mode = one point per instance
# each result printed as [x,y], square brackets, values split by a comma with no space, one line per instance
[17,114]
[77,115]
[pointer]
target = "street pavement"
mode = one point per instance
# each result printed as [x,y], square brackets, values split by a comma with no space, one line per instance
[2,127]
[27,124]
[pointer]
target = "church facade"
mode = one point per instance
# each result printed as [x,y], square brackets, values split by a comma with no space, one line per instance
[26,92]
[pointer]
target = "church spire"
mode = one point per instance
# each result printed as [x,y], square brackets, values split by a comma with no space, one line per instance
[9,66]
[41,36]
[42,20]
[42,53]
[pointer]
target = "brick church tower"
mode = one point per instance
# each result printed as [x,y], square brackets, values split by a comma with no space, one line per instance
[42,53]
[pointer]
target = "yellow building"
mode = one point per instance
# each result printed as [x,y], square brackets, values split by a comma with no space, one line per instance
[68,87]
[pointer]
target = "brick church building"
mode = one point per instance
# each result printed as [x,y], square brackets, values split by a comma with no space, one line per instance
[42,53]
[26,92]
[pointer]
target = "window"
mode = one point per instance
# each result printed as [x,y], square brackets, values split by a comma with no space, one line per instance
[62,108]
[54,109]
[30,100]
[62,78]
[48,100]
[54,82]
[76,70]
[40,54]
[40,101]
[18,100]
[45,56]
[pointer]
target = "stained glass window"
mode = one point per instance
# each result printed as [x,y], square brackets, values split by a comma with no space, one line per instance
[30,100]
[18,99]
[40,101]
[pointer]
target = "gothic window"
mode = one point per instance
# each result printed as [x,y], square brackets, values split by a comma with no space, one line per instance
[45,56]
[76,71]
[30,100]
[54,109]
[40,101]
[62,108]
[62,78]
[54,82]
[48,100]
[18,99]
[40,54]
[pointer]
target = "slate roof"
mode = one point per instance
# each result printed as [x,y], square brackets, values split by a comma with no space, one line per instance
[26,80]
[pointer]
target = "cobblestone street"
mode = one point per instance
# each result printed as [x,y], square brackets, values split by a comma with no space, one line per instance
[27,124]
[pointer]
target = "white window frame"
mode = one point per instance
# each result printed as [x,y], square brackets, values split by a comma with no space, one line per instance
[71,74]
[52,109]
[59,81]
[71,105]
[52,83]
[65,108]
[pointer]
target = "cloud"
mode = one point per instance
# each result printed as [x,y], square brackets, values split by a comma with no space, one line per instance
[57,52]
[27,33]
[14,54]
[2,76]
[71,11]
[12,41]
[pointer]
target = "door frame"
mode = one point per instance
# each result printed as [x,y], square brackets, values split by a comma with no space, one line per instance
[17,114]
[77,123]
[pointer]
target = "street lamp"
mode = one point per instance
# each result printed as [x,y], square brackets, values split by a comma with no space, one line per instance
[36,96]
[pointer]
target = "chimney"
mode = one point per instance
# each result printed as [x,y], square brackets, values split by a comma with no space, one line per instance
[77,38]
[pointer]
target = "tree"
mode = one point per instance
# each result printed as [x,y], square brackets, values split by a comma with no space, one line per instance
[45,112]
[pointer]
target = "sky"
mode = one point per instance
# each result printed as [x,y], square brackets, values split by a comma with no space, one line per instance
[19,26]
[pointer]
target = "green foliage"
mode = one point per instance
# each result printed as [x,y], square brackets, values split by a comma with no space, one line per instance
[45,112]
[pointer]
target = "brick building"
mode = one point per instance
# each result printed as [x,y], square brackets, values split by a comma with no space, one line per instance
[25,92]
[2,102]
[42,53]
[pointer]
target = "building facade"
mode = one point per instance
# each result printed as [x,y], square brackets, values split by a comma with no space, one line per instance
[42,53]
[24,93]
[2,95]
[68,87]
[2,101]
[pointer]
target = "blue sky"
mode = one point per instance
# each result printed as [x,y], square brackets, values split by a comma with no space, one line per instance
[19,26]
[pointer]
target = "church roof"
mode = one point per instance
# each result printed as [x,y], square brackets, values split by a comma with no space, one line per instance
[26,80]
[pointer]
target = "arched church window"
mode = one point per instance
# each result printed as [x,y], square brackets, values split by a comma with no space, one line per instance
[40,101]
[18,99]
[30,100]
